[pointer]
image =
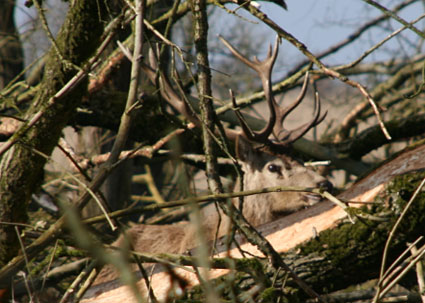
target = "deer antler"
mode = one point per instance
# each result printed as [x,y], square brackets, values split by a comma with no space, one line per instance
[277,114]
[166,89]
[285,137]
[176,100]
[263,69]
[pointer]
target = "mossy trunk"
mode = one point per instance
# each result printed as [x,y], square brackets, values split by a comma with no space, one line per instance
[11,54]
[21,167]
[338,258]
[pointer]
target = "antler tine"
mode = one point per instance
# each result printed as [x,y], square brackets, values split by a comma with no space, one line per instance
[233,134]
[264,70]
[287,137]
[255,64]
[167,91]
[282,113]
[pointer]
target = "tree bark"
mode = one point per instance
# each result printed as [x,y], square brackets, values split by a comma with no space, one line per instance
[11,54]
[21,167]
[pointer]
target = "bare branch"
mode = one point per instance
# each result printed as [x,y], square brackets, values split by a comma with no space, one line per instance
[331,73]
[396,17]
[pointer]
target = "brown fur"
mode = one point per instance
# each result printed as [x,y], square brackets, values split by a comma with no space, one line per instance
[261,170]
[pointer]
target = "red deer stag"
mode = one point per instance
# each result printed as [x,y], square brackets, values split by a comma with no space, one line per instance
[263,166]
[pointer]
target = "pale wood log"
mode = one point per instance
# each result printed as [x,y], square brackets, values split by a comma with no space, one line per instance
[285,233]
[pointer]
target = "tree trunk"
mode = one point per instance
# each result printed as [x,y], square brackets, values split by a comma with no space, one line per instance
[11,57]
[21,167]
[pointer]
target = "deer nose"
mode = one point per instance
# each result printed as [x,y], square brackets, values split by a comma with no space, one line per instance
[326,185]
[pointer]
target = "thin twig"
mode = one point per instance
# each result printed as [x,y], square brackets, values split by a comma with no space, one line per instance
[132,97]
[199,199]
[141,151]
[336,201]
[75,159]
[93,272]
[352,37]
[49,34]
[84,185]
[393,282]
[52,258]
[81,276]
[397,265]
[27,264]
[391,235]
[396,17]
[419,275]
[377,45]
[330,72]
[150,182]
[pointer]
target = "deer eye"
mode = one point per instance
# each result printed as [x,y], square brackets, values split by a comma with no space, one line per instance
[273,168]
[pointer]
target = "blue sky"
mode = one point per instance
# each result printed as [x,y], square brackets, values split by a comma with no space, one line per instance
[318,24]
[321,24]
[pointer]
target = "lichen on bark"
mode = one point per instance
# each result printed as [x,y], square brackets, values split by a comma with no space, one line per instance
[22,165]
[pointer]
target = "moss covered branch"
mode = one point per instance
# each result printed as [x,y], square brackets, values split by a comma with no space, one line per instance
[21,165]
[349,253]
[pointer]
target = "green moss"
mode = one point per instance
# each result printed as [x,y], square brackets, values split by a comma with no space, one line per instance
[350,246]
[398,193]
[270,294]
[250,264]
[347,255]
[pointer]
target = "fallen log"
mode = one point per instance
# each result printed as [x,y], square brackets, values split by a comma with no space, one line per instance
[321,246]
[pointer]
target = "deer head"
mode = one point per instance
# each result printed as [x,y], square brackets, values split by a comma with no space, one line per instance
[263,166]
[264,169]
[263,154]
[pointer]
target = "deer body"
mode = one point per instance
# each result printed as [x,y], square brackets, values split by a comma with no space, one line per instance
[261,169]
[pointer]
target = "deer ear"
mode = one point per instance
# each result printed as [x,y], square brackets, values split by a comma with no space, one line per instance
[244,150]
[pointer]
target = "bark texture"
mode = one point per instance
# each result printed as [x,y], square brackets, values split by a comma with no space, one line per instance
[11,56]
[21,167]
